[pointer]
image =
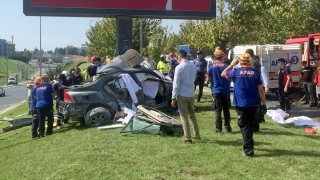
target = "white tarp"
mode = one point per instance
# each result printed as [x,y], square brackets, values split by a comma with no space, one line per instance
[279,115]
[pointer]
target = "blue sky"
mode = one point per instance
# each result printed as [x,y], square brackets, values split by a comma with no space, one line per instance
[56,31]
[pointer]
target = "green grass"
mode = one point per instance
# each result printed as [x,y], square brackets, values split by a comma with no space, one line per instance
[78,152]
[12,67]
[21,111]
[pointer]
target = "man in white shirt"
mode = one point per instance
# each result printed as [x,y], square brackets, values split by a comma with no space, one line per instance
[265,79]
[183,94]
[149,63]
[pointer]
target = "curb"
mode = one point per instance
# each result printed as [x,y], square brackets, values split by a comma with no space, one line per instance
[11,107]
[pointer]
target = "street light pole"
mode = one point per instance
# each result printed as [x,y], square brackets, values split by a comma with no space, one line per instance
[40,50]
[141,36]
[7,67]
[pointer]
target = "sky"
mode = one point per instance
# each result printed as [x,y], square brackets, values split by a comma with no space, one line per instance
[55,31]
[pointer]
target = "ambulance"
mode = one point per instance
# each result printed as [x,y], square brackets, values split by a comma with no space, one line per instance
[269,54]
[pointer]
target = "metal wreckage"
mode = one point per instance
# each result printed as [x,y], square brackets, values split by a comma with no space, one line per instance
[123,84]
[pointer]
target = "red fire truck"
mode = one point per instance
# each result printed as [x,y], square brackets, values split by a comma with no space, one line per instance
[311,53]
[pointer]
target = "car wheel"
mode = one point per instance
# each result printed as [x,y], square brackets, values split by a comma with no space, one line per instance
[97,116]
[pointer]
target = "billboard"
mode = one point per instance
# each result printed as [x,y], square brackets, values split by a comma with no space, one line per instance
[173,9]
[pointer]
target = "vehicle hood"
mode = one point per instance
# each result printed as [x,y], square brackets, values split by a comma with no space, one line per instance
[126,62]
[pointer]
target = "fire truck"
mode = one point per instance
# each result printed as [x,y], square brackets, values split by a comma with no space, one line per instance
[311,53]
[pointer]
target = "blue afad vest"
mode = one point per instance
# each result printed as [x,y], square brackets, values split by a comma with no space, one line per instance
[246,81]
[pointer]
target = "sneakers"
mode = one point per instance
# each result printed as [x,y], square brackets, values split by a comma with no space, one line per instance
[228,129]
[247,155]
[307,102]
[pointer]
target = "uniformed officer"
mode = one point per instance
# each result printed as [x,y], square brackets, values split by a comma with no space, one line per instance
[44,105]
[220,91]
[284,82]
[58,90]
[76,78]
[33,109]
[201,65]
[247,86]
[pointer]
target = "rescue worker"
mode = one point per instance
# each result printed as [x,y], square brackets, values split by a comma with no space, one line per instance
[247,87]
[33,109]
[255,64]
[149,63]
[306,79]
[58,90]
[284,82]
[44,105]
[220,91]
[76,78]
[173,63]
[201,65]
[163,65]
[92,69]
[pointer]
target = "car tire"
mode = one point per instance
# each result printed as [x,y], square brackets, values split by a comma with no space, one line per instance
[97,117]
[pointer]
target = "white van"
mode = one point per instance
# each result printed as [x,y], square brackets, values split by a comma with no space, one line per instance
[269,54]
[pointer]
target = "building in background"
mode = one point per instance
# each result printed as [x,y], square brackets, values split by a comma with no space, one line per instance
[7,48]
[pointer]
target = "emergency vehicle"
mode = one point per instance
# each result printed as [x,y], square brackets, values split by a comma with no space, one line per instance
[311,53]
[269,54]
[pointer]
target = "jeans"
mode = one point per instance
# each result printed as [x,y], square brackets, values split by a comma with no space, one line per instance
[44,112]
[199,81]
[222,102]
[186,109]
[246,116]
[284,99]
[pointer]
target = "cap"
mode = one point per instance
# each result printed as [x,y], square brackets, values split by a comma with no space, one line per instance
[162,56]
[199,52]
[282,60]
[37,80]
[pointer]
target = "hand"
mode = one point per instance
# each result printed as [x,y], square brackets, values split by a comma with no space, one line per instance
[264,109]
[266,89]
[285,89]
[173,103]
[235,61]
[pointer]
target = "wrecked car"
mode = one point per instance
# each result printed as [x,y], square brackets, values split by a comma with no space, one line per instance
[123,82]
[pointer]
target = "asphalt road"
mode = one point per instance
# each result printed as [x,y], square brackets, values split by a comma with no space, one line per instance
[14,94]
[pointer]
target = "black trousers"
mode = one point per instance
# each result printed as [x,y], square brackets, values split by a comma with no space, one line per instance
[199,81]
[35,122]
[44,112]
[246,116]
[284,99]
[221,102]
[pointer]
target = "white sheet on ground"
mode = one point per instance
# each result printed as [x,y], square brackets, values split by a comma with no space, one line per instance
[150,88]
[129,113]
[279,115]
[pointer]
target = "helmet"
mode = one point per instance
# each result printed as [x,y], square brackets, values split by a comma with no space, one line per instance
[218,53]
[37,80]
[93,58]
[61,77]
[245,58]
[65,73]
[76,70]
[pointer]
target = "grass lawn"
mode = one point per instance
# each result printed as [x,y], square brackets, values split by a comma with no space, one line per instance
[78,152]
[12,68]
[19,112]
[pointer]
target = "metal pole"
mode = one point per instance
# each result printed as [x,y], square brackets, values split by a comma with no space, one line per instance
[27,67]
[7,67]
[40,50]
[141,36]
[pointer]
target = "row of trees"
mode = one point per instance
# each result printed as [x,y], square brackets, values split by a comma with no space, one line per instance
[237,22]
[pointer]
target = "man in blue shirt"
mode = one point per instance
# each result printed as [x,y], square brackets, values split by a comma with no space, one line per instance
[201,66]
[33,109]
[44,105]
[172,65]
[220,91]
[247,86]
[183,94]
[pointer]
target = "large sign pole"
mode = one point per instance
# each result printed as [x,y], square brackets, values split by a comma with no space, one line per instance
[124,34]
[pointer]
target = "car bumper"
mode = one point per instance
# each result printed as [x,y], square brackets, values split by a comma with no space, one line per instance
[70,109]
